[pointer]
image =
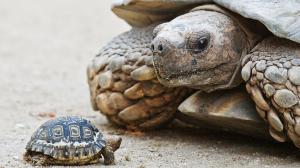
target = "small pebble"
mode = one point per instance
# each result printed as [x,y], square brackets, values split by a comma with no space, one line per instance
[16,158]
[153,150]
[127,158]
[52,114]
[20,125]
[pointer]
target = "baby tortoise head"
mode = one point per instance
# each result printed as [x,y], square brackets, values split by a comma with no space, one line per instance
[200,49]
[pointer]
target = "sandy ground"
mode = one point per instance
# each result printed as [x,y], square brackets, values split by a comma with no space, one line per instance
[44,49]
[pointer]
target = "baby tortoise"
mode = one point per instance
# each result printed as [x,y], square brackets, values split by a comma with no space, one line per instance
[70,141]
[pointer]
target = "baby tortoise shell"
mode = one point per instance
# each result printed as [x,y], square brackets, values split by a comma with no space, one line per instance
[69,140]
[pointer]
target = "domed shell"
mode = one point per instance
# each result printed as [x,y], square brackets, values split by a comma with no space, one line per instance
[280,17]
[145,12]
[67,137]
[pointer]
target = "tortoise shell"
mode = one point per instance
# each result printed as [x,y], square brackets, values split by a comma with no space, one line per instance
[276,17]
[67,137]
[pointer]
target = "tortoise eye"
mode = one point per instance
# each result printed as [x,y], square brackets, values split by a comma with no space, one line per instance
[198,44]
[201,44]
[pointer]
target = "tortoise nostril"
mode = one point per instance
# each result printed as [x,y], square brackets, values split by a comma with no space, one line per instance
[160,48]
[152,47]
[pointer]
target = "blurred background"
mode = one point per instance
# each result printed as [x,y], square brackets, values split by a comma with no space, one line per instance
[45,47]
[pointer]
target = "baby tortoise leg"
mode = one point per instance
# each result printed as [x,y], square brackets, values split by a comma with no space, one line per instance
[272,75]
[108,154]
[124,87]
[112,144]
[36,159]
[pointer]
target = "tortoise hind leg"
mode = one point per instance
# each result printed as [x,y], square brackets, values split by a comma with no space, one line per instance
[36,159]
[272,74]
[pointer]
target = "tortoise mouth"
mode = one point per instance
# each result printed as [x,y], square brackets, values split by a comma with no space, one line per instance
[178,75]
[194,77]
[206,78]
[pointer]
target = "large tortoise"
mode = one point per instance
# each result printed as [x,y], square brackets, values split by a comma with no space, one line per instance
[211,48]
[205,49]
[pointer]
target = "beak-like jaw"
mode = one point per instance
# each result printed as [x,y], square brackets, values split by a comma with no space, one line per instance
[170,59]
[201,50]
[173,63]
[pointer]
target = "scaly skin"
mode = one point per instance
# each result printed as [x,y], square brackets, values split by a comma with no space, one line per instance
[208,62]
[124,87]
[272,73]
[180,59]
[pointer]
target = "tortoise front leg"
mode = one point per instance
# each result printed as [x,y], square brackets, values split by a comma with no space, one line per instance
[108,154]
[272,76]
[37,159]
[124,87]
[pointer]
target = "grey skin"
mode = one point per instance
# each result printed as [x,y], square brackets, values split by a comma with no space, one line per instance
[186,54]
[210,50]
[124,87]
[41,159]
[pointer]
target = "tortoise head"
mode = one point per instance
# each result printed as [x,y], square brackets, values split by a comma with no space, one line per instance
[114,142]
[200,49]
